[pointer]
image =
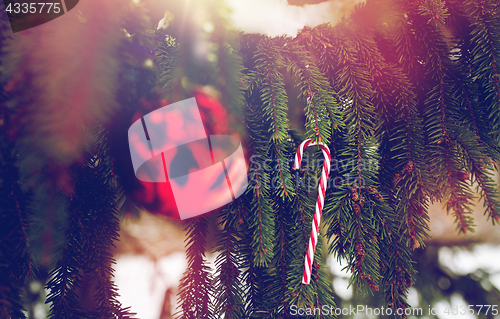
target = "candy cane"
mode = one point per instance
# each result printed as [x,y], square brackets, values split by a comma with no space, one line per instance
[313,238]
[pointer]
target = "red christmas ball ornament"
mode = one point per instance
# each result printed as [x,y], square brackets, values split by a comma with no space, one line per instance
[158,197]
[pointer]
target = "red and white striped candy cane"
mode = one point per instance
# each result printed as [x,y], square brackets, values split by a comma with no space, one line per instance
[306,278]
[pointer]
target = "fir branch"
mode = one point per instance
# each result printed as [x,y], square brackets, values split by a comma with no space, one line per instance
[228,287]
[350,212]
[195,288]
[401,133]
[272,96]
[283,254]
[231,78]
[94,185]
[434,11]
[276,277]
[92,227]
[65,279]
[272,92]
[438,99]
[397,269]
[407,48]
[261,220]
[282,181]
[467,98]
[485,51]
[15,260]
[405,179]
[251,274]
[301,211]
[487,192]
[395,256]
[66,276]
[262,223]
[362,254]
[351,80]
[440,105]
[319,292]
[336,229]
[166,55]
[410,206]
[15,250]
[480,172]
[460,197]
[322,114]
[354,88]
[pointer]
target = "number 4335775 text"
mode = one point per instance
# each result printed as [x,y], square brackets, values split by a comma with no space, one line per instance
[40,7]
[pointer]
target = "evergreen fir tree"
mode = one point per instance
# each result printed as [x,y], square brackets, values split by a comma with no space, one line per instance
[405,93]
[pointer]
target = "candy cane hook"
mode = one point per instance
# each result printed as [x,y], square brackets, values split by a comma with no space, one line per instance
[313,238]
